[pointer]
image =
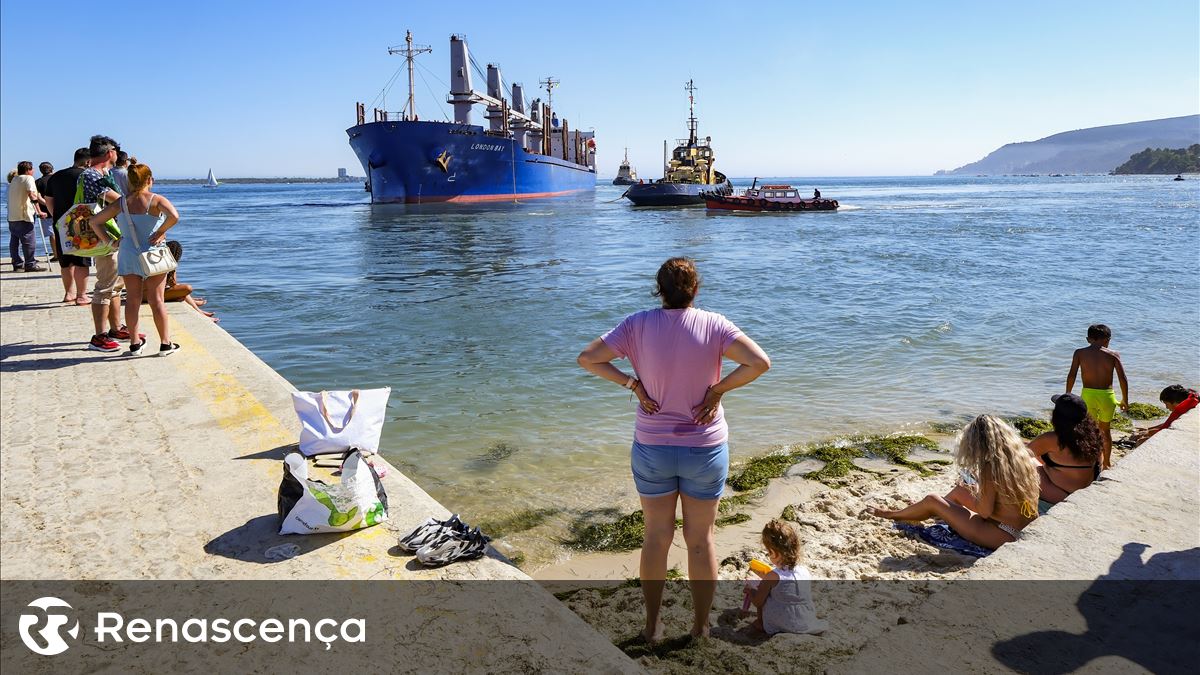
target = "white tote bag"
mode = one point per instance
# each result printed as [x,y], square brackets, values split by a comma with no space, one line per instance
[335,421]
[308,506]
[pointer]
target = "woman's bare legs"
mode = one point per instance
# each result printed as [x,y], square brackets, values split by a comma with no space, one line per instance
[133,303]
[196,306]
[970,526]
[699,516]
[158,307]
[659,514]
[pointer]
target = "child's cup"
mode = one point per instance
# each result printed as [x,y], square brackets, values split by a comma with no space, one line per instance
[759,566]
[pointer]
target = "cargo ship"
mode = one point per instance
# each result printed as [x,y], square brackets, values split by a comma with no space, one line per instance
[688,175]
[523,152]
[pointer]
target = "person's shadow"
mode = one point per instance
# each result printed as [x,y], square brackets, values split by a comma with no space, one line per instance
[1143,612]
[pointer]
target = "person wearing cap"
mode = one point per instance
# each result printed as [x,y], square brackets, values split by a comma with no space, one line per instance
[1069,456]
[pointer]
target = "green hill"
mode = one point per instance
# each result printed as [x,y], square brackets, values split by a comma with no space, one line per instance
[1163,161]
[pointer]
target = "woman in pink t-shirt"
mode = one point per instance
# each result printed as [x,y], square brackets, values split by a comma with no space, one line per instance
[679,453]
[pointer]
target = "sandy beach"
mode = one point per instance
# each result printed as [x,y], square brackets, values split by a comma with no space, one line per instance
[869,578]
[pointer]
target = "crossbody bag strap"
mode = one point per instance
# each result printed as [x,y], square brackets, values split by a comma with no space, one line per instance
[349,417]
[129,221]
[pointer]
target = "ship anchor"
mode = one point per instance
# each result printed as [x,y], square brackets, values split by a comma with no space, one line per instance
[443,161]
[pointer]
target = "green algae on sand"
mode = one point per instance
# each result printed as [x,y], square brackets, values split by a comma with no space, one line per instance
[838,458]
[1145,411]
[1030,427]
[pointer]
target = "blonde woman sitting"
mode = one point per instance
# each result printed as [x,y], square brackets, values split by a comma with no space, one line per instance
[998,495]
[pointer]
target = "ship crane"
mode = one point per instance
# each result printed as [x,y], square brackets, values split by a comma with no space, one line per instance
[463,94]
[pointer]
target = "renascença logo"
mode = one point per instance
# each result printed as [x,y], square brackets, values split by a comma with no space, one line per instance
[42,631]
[52,641]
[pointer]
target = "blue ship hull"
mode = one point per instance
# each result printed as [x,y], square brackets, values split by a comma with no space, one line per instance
[416,162]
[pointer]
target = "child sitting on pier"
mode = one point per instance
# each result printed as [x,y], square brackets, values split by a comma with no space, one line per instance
[783,596]
[1178,399]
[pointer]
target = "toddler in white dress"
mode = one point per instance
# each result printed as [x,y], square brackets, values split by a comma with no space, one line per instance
[784,594]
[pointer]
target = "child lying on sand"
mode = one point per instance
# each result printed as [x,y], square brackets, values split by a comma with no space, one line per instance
[784,595]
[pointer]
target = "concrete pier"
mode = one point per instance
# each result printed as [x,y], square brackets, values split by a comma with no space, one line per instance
[118,468]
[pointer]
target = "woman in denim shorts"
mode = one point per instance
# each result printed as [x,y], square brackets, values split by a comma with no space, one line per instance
[680,452]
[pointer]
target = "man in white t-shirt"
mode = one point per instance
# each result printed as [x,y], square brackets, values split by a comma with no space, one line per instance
[22,213]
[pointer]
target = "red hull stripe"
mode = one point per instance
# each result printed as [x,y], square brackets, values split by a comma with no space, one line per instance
[489,198]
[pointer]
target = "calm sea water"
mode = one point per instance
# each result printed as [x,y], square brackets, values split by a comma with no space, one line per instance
[923,299]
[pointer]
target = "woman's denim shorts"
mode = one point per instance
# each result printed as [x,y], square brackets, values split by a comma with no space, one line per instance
[660,470]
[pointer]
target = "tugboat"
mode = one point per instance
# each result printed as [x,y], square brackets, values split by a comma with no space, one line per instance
[689,173]
[625,174]
[769,198]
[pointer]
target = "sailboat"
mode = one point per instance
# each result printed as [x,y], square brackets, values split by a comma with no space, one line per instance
[212,180]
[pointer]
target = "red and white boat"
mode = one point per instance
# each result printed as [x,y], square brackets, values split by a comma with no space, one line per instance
[770,198]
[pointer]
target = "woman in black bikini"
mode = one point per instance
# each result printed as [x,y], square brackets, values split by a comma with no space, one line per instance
[1069,455]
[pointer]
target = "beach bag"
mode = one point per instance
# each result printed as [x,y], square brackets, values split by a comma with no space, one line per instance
[335,421]
[309,506]
[76,236]
[158,260]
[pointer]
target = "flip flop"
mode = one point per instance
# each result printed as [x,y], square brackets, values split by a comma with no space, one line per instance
[83,301]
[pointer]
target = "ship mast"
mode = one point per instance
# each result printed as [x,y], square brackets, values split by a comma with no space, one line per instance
[410,51]
[549,84]
[691,90]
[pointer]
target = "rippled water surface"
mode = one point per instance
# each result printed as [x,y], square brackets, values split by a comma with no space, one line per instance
[923,299]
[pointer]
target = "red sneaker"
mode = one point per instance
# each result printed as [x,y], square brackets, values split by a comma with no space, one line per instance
[122,333]
[103,343]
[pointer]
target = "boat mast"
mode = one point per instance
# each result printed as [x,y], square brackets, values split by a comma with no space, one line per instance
[409,51]
[549,84]
[691,90]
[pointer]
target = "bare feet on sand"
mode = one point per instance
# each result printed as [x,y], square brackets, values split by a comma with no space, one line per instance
[701,631]
[653,636]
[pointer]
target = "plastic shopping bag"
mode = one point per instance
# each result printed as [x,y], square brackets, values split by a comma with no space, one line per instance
[335,421]
[308,506]
[77,237]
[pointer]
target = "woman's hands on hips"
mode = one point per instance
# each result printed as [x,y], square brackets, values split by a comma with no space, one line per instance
[649,405]
[707,410]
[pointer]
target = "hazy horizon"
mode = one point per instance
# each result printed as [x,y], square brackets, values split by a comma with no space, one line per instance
[268,90]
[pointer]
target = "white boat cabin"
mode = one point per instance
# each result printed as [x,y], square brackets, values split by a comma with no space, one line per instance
[773,192]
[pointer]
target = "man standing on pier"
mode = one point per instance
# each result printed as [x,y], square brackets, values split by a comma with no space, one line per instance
[98,187]
[60,196]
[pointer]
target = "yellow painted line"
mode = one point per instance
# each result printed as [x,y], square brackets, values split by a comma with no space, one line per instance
[244,418]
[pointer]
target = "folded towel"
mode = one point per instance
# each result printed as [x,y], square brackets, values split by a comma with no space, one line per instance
[941,536]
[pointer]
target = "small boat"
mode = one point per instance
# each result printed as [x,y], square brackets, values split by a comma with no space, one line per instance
[212,180]
[626,175]
[688,173]
[769,198]
[1178,177]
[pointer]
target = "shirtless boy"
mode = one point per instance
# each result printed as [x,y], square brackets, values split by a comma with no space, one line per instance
[1098,363]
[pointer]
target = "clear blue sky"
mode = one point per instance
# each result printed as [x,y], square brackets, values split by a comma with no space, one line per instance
[268,88]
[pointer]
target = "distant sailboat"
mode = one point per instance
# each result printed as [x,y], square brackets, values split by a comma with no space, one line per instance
[212,180]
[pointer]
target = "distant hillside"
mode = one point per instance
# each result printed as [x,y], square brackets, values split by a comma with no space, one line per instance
[1163,161]
[1095,150]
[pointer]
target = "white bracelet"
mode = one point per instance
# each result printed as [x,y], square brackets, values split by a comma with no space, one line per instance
[630,384]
